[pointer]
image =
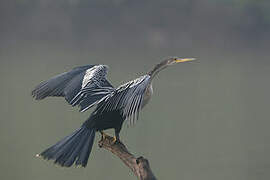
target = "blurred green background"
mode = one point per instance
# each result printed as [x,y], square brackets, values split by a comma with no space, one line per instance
[207,120]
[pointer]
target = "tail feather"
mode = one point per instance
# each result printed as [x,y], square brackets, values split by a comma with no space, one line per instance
[75,147]
[85,152]
[55,151]
[70,152]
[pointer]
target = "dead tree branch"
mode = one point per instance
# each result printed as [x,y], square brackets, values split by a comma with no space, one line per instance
[139,166]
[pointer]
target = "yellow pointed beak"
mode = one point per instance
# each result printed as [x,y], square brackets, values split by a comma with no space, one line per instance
[179,60]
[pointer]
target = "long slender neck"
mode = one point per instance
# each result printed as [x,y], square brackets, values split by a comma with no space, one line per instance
[157,68]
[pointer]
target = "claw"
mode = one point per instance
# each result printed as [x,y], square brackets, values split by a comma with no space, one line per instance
[114,139]
[103,135]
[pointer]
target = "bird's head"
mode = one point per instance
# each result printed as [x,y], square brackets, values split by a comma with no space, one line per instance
[173,60]
[167,62]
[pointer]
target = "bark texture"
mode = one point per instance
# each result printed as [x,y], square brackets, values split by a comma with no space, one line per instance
[139,166]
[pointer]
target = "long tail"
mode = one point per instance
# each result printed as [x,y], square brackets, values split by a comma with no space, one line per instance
[75,147]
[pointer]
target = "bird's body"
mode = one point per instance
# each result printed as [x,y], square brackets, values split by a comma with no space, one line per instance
[87,86]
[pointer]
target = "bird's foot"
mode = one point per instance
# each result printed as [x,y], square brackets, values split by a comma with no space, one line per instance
[115,140]
[104,135]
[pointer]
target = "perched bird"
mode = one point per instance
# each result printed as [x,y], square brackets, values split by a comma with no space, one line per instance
[87,86]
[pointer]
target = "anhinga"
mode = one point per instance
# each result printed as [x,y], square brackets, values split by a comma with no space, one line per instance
[87,86]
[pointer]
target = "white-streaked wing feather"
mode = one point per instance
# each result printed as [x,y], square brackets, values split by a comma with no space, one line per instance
[94,74]
[83,86]
[94,87]
[127,98]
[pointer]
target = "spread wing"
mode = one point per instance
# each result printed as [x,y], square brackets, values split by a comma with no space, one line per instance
[73,84]
[127,99]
